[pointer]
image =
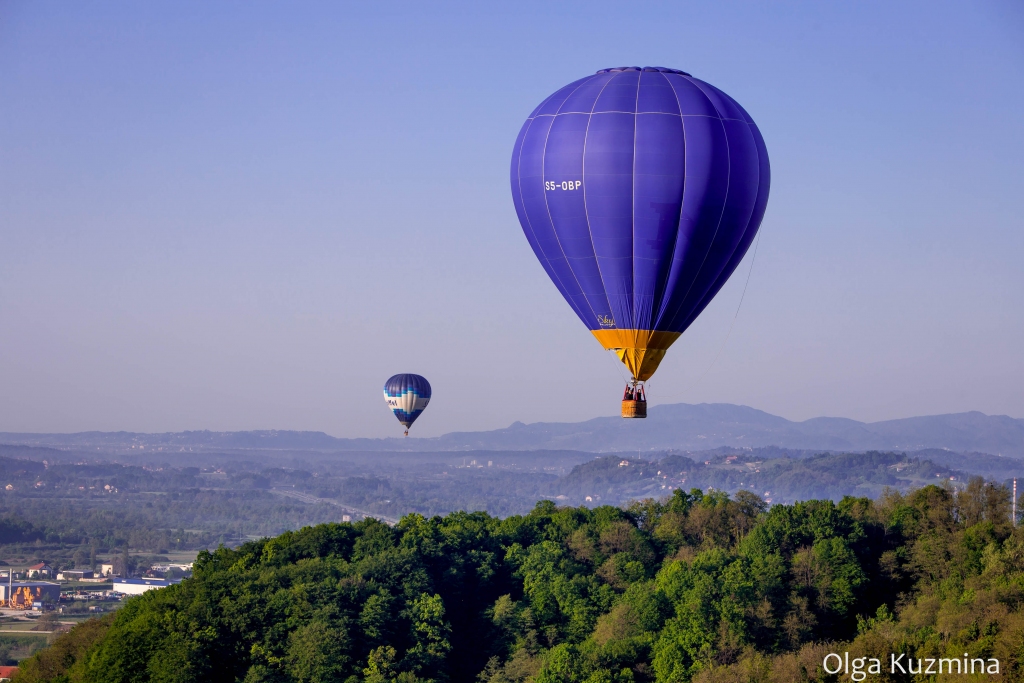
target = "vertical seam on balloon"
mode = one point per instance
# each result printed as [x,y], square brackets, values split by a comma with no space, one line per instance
[586,213]
[634,322]
[682,199]
[725,202]
[531,119]
[519,181]
[547,207]
[707,300]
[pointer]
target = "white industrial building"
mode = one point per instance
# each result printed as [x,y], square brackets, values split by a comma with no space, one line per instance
[139,586]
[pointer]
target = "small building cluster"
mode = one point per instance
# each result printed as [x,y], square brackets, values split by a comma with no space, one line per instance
[25,589]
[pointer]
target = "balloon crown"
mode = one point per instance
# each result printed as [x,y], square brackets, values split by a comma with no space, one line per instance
[660,69]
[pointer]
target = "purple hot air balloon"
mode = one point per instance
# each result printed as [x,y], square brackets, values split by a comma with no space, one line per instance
[640,190]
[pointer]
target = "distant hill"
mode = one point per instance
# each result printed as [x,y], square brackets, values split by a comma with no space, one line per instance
[678,426]
[612,479]
[711,425]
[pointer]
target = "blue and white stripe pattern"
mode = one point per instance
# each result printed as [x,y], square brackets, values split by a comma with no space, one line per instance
[407,395]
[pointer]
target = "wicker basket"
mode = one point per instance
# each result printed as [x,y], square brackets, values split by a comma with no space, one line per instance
[634,409]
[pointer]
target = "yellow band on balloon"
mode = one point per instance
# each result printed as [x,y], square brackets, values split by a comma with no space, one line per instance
[640,350]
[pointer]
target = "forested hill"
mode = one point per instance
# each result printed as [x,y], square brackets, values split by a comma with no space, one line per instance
[697,587]
[676,426]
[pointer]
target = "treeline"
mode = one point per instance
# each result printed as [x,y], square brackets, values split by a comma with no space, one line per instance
[781,479]
[697,587]
[235,500]
[188,519]
[43,477]
[391,487]
[73,525]
[500,492]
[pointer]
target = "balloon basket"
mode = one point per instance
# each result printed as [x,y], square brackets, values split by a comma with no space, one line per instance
[634,409]
[634,400]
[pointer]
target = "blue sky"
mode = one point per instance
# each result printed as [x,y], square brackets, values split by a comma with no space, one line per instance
[248,215]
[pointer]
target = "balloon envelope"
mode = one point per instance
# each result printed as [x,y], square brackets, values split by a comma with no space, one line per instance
[407,395]
[640,190]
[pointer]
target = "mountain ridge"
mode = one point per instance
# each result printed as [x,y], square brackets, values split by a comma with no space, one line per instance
[679,426]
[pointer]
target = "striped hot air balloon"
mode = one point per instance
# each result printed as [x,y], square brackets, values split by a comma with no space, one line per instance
[407,395]
[640,190]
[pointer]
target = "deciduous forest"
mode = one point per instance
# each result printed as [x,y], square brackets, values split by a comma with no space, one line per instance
[699,587]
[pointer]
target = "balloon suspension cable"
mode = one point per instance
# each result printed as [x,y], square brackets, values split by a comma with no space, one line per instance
[742,296]
[618,364]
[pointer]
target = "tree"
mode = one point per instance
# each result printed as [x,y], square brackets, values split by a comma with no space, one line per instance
[318,653]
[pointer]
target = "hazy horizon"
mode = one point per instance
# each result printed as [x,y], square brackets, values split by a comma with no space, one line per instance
[399,437]
[248,216]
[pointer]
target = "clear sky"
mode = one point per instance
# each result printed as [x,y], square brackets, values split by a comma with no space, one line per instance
[247,215]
